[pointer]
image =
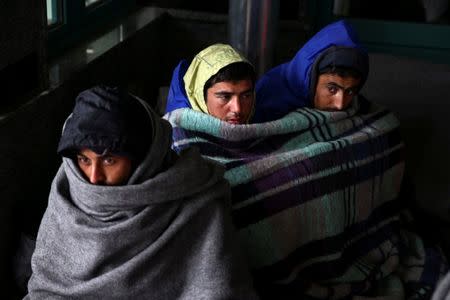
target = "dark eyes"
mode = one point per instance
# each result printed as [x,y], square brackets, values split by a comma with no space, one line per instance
[350,92]
[83,160]
[334,89]
[228,97]
[224,97]
[247,96]
[108,160]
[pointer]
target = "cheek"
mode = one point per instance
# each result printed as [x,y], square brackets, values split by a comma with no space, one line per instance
[213,104]
[120,172]
[217,109]
[319,99]
[84,169]
[247,107]
[348,100]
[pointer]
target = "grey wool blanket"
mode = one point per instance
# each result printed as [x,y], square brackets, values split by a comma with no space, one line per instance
[316,202]
[167,234]
[442,291]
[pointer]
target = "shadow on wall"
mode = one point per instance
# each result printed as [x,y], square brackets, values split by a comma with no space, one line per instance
[417,92]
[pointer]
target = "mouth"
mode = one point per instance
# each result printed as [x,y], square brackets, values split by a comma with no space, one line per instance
[234,121]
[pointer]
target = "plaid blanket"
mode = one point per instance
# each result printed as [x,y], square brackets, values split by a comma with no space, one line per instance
[316,202]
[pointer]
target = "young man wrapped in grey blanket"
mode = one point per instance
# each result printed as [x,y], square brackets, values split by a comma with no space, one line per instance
[127,218]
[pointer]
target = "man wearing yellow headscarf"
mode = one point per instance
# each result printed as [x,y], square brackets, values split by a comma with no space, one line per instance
[219,81]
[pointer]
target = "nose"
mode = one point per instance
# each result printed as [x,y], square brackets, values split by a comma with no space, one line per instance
[97,174]
[339,101]
[235,105]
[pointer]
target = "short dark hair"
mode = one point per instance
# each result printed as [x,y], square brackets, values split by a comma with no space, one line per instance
[233,72]
[341,71]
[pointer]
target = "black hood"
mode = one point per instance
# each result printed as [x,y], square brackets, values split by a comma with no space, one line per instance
[107,119]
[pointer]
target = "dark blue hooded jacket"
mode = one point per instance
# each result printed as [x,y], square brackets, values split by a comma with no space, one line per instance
[287,86]
[177,97]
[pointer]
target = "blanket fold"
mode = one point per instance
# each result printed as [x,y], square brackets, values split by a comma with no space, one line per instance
[316,200]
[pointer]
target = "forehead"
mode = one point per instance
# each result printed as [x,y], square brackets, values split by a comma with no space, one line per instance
[346,82]
[92,154]
[232,86]
[88,153]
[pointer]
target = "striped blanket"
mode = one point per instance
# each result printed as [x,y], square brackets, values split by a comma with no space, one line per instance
[316,202]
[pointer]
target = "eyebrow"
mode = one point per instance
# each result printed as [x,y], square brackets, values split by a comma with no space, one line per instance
[341,87]
[222,93]
[230,93]
[97,155]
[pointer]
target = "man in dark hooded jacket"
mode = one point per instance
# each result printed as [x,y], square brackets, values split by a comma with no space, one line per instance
[326,73]
[127,218]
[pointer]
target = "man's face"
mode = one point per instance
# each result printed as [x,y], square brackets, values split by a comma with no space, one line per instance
[231,101]
[107,169]
[334,92]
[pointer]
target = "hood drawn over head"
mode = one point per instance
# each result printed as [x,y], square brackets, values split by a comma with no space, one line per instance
[108,119]
[204,65]
[287,86]
[177,98]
